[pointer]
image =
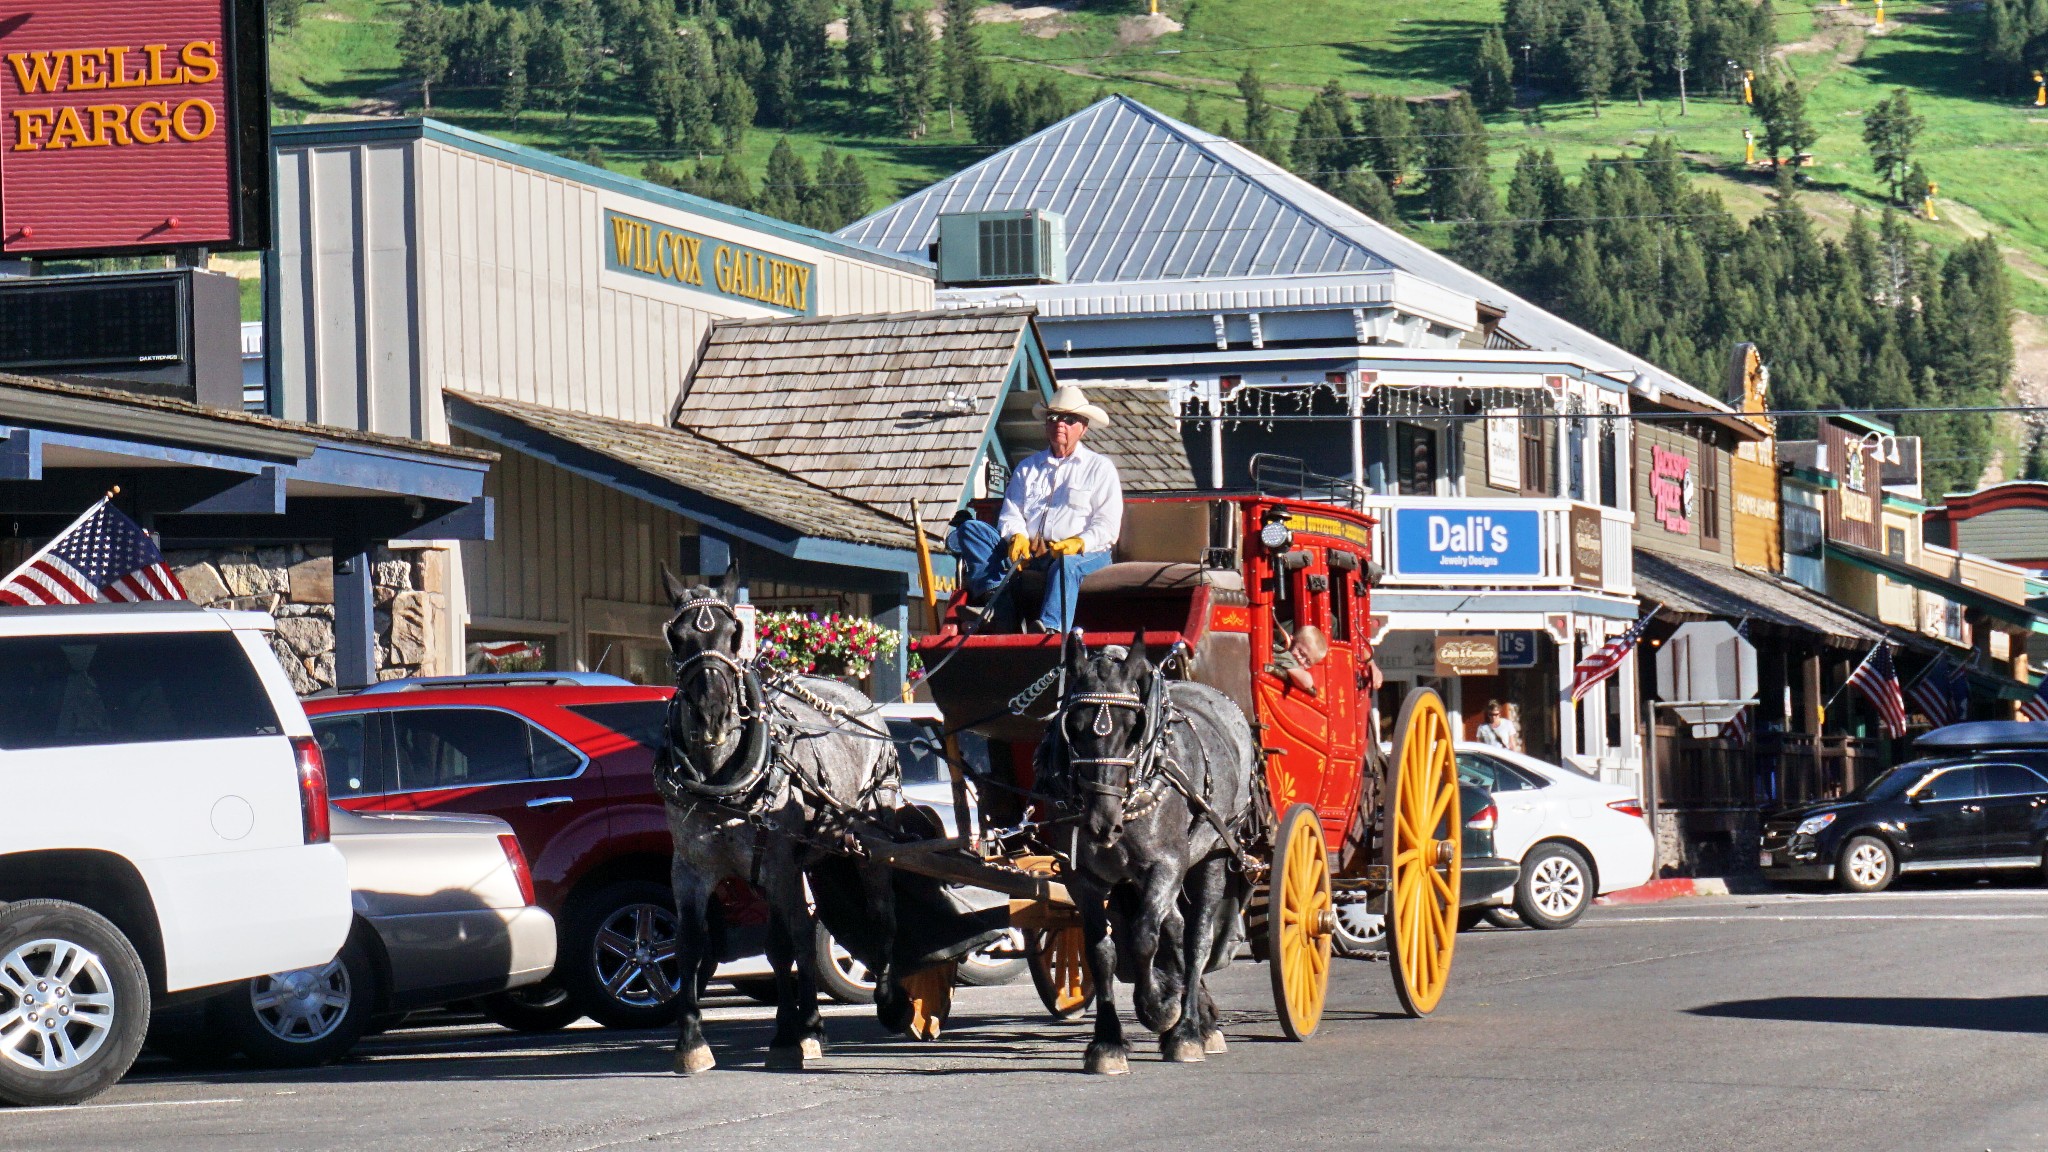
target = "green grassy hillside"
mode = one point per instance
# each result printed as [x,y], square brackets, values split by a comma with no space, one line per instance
[1988,154]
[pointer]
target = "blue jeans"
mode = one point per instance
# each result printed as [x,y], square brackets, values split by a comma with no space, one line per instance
[984,561]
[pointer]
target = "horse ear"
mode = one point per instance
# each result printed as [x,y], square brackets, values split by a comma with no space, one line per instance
[677,590]
[1073,652]
[1138,657]
[729,584]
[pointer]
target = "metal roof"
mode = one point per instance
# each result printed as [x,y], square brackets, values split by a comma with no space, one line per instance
[1149,198]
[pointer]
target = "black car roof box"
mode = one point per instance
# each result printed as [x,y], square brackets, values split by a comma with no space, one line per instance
[1984,734]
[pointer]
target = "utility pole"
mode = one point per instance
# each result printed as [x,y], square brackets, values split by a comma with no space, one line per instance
[1679,66]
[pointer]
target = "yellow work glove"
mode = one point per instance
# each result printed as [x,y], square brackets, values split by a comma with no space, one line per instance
[1071,546]
[1020,549]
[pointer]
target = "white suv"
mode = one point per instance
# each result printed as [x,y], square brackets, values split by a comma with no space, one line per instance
[163,828]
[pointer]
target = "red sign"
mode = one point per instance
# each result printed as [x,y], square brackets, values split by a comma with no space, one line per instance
[1671,487]
[126,124]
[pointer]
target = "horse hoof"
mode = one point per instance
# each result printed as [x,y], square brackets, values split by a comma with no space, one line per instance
[695,1060]
[812,1047]
[1103,1061]
[1212,1043]
[1179,1049]
[787,1059]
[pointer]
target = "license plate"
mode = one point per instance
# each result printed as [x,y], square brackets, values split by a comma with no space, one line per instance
[1764,859]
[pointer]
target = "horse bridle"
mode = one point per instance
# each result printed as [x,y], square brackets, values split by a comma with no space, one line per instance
[1088,769]
[752,703]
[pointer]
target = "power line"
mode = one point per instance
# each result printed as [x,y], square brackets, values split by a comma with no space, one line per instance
[1418,417]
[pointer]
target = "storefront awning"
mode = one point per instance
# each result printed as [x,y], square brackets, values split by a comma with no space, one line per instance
[1995,607]
[1712,592]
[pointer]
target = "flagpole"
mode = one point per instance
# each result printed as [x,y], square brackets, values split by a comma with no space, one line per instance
[1852,675]
[41,552]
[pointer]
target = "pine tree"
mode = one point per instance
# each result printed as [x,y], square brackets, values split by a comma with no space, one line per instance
[1191,113]
[2037,457]
[1261,130]
[1323,142]
[1365,192]
[1916,188]
[284,14]
[1589,52]
[1890,130]
[735,110]
[781,105]
[1631,68]
[510,53]
[858,53]
[1668,23]
[1782,108]
[1386,137]
[423,47]
[1493,82]
[962,55]
[1454,155]
[786,188]
[907,53]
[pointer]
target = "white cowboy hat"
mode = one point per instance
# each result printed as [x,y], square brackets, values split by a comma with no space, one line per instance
[1071,401]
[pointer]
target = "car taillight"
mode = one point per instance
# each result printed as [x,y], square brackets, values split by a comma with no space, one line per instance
[1630,807]
[517,859]
[1485,818]
[312,788]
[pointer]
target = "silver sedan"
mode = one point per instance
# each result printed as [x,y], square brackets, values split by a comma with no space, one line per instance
[444,911]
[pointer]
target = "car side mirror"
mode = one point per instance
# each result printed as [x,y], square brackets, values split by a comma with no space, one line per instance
[1914,798]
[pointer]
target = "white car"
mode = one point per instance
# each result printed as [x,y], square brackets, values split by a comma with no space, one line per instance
[444,911]
[165,829]
[1574,837]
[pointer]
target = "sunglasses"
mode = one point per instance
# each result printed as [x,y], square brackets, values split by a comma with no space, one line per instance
[1063,418]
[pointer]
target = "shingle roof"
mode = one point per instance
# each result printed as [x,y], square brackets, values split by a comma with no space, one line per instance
[1703,591]
[689,460]
[1147,197]
[1143,439]
[881,409]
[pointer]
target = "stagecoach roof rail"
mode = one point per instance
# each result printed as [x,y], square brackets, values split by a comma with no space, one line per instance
[1276,475]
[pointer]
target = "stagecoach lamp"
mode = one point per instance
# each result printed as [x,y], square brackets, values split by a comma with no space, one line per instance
[1813,824]
[1276,536]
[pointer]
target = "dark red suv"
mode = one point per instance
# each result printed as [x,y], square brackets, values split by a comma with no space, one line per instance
[566,759]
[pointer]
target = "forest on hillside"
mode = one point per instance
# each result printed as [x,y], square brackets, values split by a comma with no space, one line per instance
[1628,247]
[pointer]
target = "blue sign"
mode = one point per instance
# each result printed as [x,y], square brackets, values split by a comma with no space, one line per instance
[1517,649]
[1470,543]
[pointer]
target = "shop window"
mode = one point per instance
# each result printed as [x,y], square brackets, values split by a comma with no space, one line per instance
[1614,712]
[1415,463]
[1895,543]
[504,652]
[1535,477]
[1575,458]
[1710,495]
[1611,469]
[636,658]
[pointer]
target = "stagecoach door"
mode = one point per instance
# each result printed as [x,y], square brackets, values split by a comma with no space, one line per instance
[1316,735]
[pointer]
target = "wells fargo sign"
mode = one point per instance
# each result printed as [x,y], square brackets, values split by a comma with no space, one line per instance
[128,125]
[708,264]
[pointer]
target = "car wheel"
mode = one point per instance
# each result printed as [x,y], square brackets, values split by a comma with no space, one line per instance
[840,976]
[308,1016]
[74,1003]
[542,1007]
[985,971]
[1360,931]
[618,961]
[1505,917]
[1555,888]
[1867,864]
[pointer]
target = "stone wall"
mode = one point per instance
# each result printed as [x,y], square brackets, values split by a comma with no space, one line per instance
[295,584]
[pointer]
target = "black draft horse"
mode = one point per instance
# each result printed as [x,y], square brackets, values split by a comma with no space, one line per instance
[757,777]
[1156,770]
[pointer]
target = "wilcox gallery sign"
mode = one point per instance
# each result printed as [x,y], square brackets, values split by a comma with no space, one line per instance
[128,125]
[707,264]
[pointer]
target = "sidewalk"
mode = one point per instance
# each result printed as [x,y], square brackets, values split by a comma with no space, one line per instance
[1673,887]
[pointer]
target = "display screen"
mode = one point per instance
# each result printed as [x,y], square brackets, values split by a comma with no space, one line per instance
[55,325]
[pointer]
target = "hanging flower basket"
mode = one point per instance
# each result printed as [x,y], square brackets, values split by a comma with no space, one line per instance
[824,644]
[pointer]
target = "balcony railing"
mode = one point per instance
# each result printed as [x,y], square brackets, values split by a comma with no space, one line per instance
[1778,769]
[1429,541]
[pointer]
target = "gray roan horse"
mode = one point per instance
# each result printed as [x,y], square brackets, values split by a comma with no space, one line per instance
[757,778]
[1155,770]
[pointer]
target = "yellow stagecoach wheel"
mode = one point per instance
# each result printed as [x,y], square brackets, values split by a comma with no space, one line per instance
[1059,970]
[1422,852]
[1300,918]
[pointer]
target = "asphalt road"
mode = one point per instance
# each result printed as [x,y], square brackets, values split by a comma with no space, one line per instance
[1914,1020]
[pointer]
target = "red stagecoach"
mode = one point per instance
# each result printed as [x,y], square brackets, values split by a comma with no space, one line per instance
[1221,572]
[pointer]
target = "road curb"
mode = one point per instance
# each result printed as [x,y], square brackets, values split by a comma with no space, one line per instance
[1669,888]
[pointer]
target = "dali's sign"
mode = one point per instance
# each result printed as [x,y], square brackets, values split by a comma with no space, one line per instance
[1483,543]
[707,264]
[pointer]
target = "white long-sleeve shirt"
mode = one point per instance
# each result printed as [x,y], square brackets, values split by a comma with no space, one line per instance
[1052,499]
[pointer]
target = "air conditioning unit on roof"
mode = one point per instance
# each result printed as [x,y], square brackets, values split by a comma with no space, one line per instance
[1020,246]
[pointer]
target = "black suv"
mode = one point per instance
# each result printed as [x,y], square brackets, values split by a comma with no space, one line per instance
[1977,798]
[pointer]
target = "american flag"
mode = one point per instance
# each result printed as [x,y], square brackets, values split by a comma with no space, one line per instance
[1879,684]
[2035,707]
[1607,661]
[1942,694]
[1736,730]
[103,557]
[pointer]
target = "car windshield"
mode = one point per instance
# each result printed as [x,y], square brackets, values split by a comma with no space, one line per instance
[1893,784]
